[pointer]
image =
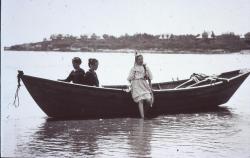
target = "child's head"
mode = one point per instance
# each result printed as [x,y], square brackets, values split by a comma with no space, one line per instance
[76,62]
[139,59]
[93,64]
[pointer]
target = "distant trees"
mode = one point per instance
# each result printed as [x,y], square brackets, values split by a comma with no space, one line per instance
[62,37]
[247,36]
[105,36]
[149,37]
[228,36]
[171,37]
[144,36]
[204,41]
[213,35]
[53,37]
[204,35]
[70,37]
[93,36]
[59,36]
[84,37]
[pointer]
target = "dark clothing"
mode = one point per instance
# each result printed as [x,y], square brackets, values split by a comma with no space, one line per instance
[91,79]
[76,76]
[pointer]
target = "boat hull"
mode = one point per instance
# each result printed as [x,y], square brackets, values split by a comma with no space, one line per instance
[65,100]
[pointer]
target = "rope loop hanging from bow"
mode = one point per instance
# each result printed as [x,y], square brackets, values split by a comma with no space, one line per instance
[16,98]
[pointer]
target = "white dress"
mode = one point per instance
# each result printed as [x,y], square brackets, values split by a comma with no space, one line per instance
[140,88]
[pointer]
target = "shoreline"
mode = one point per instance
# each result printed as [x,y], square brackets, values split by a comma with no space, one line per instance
[217,51]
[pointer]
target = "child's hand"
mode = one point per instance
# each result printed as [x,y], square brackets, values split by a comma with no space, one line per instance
[146,77]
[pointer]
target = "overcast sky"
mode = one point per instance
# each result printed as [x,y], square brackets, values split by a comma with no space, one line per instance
[32,20]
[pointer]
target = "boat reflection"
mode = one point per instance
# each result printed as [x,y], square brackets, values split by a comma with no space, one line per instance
[121,136]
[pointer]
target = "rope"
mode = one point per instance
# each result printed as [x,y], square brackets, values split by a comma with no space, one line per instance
[16,98]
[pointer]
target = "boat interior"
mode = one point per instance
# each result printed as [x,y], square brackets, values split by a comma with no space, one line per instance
[225,77]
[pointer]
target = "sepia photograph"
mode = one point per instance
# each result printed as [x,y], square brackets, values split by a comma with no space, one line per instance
[125,78]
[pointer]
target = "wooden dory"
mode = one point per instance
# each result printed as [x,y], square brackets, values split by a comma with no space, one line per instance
[67,100]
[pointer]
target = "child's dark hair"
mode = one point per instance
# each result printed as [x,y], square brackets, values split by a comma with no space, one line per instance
[92,61]
[77,60]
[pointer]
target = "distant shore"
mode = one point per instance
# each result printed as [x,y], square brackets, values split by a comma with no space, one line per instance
[218,51]
[165,44]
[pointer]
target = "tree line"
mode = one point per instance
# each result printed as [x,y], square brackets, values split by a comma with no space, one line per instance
[142,41]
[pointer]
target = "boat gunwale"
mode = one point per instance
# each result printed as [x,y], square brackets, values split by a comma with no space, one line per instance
[204,86]
[158,91]
[75,84]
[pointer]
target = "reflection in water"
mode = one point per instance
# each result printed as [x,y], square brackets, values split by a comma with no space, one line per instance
[169,135]
[140,137]
[75,137]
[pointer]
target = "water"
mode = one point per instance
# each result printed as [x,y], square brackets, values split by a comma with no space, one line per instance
[27,132]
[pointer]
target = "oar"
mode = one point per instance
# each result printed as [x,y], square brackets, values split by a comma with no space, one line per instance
[181,85]
[222,79]
[192,85]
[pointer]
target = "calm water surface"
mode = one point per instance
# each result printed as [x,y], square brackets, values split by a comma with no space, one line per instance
[27,132]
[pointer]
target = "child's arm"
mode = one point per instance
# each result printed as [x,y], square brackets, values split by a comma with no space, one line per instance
[68,79]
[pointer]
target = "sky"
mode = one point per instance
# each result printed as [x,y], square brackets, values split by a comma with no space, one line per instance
[24,21]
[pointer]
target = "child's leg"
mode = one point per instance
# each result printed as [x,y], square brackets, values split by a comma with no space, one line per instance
[140,105]
[149,102]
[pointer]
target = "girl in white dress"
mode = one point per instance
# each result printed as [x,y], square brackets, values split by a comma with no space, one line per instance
[141,89]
